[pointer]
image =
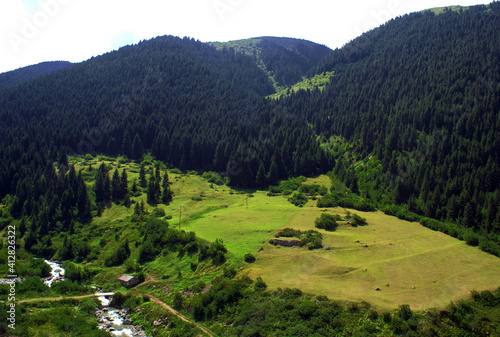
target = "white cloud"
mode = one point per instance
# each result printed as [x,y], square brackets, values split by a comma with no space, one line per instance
[79,29]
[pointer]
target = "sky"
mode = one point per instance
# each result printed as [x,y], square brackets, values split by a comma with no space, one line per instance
[34,31]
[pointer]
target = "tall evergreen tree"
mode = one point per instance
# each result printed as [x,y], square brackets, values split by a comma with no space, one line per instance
[116,185]
[260,178]
[151,193]
[273,174]
[84,205]
[166,196]
[137,148]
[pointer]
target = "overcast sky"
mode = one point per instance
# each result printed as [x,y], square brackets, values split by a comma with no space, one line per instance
[33,31]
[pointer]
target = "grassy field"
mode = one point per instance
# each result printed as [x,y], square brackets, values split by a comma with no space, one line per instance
[409,263]
[440,10]
[318,81]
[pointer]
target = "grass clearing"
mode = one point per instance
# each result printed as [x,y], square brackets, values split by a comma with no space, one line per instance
[409,263]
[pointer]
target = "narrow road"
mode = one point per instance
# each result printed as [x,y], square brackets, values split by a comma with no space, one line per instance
[176,313]
[151,297]
[63,298]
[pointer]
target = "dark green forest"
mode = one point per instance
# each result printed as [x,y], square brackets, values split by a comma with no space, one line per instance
[414,106]
[286,60]
[409,124]
[410,119]
[21,75]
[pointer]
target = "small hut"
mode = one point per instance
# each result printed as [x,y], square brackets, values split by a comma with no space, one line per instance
[128,281]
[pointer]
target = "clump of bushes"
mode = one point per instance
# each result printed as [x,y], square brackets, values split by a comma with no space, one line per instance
[357,220]
[311,239]
[249,258]
[327,222]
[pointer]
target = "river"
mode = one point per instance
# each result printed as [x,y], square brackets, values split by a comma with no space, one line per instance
[116,321]
[56,273]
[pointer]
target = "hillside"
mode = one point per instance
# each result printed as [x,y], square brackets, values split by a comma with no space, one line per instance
[358,201]
[412,113]
[21,75]
[286,60]
[192,253]
[187,103]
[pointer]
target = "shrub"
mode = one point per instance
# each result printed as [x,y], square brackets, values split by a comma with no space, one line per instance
[298,199]
[358,220]
[326,222]
[249,258]
[289,233]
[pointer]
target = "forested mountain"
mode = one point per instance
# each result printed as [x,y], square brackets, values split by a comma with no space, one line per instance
[286,60]
[21,75]
[411,115]
[416,104]
[182,100]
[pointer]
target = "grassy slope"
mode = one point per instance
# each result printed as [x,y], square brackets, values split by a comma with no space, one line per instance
[440,10]
[318,81]
[423,268]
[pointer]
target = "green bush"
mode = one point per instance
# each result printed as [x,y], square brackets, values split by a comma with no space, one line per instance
[358,220]
[249,258]
[298,199]
[327,222]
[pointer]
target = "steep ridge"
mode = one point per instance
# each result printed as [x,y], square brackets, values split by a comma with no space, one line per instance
[286,60]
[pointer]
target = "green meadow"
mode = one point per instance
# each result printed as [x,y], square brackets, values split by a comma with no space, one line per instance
[386,263]
[407,262]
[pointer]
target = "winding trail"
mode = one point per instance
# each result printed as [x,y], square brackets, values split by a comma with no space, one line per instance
[175,312]
[39,299]
[151,297]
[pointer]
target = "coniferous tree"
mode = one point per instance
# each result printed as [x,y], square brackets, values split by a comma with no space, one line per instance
[261,179]
[127,145]
[158,183]
[84,205]
[166,196]
[101,184]
[137,148]
[116,185]
[273,174]
[151,193]
[124,188]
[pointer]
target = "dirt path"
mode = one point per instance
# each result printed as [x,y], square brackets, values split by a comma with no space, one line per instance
[63,298]
[175,312]
[151,297]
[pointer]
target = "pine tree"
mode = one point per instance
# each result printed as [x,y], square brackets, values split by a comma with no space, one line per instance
[116,185]
[84,206]
[137,148]
[134,186]
[157,183]
[127,145]
[137,209]
[273,175]
[124,189]
[261,179]
[151,193]
[166,197]
[101,184]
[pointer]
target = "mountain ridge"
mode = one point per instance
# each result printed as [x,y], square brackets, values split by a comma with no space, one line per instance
[27,73]
[286,60]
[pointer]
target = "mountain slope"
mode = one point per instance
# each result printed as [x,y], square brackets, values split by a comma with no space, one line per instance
[417,103]
[286,60]
[24,74]
[187,103]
